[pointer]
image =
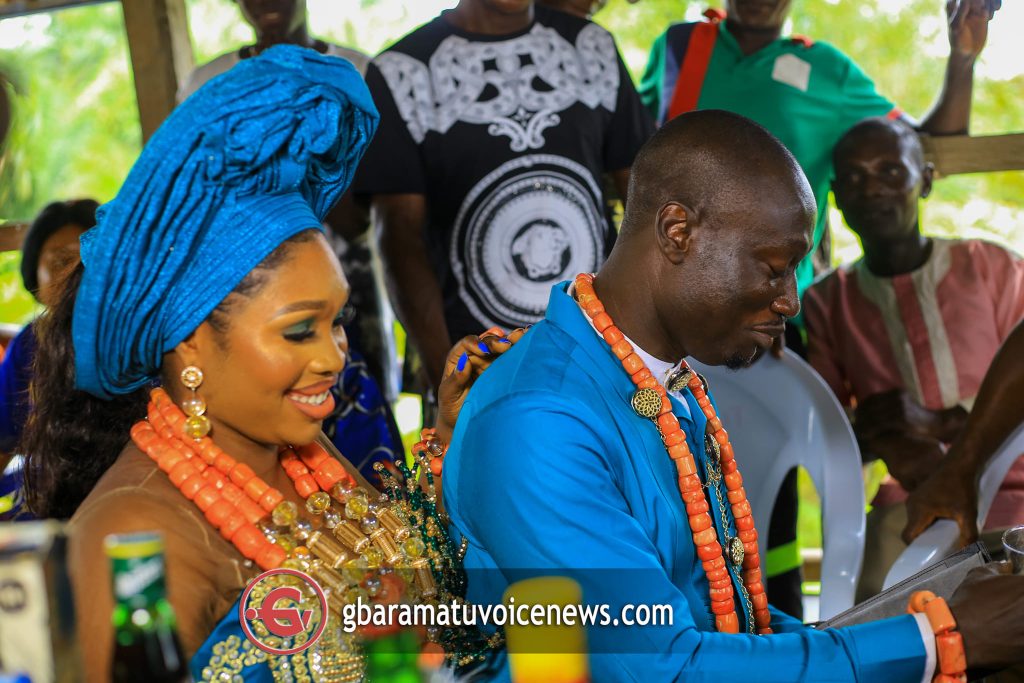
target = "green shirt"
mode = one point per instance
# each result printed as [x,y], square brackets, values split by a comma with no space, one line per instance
[807,95]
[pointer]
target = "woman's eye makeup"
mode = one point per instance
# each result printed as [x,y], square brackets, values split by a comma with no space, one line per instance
[345,316]
[300,330]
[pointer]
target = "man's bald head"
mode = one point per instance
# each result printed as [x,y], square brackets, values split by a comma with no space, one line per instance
[708,160]
[718,217]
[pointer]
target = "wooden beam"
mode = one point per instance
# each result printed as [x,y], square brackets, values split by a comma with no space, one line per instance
[12,235]
[956,154]
[161,56]
[14,8]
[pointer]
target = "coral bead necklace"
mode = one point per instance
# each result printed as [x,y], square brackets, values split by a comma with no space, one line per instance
[651,401]
[230,495]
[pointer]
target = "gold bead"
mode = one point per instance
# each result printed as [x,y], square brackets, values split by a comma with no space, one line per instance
[193,406]
[197,426]
[356,507]
[373,557]
[318,502]
[736,551]
[354,571]
[192,377]
[285,513]
[341,491]
[413,547]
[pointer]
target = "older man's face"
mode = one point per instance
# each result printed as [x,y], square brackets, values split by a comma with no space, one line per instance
[737,283]
[758,14]
[507,6]
[581,8]
[277,18]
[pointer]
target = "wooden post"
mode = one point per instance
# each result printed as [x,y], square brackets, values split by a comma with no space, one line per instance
[956,154]
[15,8]
[161,56]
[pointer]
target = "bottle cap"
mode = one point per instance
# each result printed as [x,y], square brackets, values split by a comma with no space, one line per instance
[129,546]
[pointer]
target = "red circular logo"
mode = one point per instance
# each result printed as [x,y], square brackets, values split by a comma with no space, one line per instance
[280,612]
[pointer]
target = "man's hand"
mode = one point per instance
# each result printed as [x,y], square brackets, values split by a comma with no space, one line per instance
[910,458]
[895,411]
[968,25]
[987,609]
[949,493]
[468,358]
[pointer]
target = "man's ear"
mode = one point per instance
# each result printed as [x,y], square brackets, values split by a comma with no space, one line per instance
[675,223]
[927,178]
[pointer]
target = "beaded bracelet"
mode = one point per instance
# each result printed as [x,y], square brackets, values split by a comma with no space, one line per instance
[433,447]
[949,645]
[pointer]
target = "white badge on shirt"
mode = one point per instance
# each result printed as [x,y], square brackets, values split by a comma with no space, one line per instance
[792,70]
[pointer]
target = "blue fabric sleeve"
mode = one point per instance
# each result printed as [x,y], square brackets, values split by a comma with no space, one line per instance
[15,374]
[545,498]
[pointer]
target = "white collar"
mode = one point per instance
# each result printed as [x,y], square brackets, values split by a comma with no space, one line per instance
[661,369]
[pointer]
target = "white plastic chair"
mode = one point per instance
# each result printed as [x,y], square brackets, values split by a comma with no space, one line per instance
[940,540]
[780,414]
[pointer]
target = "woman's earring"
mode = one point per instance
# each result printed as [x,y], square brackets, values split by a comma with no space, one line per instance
[197,425]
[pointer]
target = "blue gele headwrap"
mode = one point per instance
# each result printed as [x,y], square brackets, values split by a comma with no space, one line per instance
[254,157]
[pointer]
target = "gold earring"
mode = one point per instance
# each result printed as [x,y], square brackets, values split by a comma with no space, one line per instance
[197,425]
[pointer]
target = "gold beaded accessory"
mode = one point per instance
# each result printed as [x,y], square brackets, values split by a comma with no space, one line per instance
[197,425]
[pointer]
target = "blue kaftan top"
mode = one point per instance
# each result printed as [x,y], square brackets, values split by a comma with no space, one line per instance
[550,471]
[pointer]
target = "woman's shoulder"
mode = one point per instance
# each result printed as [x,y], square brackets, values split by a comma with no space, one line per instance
[134,495]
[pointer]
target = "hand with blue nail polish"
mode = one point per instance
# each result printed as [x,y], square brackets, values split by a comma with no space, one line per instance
[466,361]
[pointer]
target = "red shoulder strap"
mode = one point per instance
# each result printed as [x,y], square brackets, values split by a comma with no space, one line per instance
[694,67]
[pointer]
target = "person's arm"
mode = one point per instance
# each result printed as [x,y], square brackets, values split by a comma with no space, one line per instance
[411,280]
[897,412]
[968,30]
[952,490]
[545,500]
[349,218]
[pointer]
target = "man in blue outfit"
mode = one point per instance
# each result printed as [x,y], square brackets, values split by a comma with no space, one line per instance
[551,471]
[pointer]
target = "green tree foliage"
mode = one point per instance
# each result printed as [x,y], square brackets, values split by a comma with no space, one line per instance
[76,129]
[76,124]
[896,48]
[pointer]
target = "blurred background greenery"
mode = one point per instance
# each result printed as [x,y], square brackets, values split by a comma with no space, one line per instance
[76,129]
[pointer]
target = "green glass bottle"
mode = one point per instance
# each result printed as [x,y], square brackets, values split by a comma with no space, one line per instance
[146,646]
[393,657]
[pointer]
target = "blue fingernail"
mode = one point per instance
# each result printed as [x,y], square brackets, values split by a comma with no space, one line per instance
[483,347]
[462,363]
[504,341]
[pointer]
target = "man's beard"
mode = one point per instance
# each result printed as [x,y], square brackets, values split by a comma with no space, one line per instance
[739,361]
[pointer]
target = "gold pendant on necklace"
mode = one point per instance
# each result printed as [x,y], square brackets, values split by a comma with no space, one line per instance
[679,379]
[646,403]
[736,551]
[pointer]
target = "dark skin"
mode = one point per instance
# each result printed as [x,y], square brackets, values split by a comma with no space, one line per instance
[749,288]
[881,176]
[757,23]
[583,9]
[951,492]
[399,219]
[742,250]
[284,340]
[277,22]
[60,253]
